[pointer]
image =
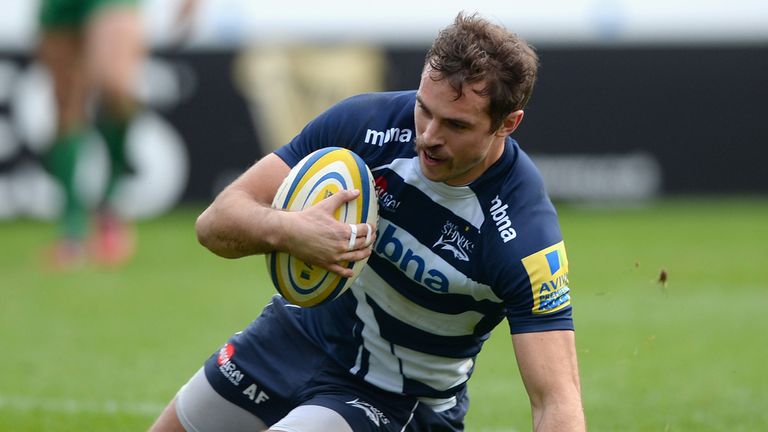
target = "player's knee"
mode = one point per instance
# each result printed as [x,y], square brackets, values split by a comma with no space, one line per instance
[119,101]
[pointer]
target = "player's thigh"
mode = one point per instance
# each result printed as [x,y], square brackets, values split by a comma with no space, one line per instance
[61,52]
[200,408]
[115,48]
[350,411]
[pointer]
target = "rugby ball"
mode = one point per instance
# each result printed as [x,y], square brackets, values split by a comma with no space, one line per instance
[316,177]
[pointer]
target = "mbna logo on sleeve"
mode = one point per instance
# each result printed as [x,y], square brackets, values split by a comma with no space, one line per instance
[548,272]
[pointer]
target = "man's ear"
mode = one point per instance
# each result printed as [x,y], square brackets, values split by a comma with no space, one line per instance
[510,123]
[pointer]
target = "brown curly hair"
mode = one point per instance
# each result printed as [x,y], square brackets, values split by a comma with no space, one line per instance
[473,49]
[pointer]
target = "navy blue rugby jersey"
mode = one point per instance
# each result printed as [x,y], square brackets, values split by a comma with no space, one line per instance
[449,263]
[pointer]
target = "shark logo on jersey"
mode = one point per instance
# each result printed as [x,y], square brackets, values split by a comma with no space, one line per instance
[452,240]
[548,272]
[374,414]
[379,138]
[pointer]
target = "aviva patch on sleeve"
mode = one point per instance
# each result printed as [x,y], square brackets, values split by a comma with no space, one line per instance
[548,272]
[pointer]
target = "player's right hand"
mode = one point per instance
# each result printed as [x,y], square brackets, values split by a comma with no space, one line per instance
[315,236]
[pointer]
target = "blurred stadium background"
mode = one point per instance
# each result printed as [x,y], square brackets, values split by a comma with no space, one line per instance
[648,122]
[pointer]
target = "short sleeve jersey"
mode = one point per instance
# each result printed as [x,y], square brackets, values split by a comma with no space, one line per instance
[449,263]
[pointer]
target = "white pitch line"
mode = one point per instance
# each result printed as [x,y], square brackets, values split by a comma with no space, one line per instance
[75,406]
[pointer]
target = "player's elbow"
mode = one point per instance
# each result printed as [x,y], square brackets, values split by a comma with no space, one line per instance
[205,230]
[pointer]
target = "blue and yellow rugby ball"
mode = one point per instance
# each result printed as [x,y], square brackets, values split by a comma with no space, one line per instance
[316,177]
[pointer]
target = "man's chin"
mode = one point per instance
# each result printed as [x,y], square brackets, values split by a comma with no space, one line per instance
[431,175]
[430,170]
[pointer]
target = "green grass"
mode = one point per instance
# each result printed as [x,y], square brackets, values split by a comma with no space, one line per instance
[101,349]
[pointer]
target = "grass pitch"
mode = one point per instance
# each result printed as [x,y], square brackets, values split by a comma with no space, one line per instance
[105,349]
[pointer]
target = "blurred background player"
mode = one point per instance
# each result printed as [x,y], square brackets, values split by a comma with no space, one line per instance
[93,50]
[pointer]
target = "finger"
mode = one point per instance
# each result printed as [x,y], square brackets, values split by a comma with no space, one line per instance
[352,237]
[355,255]
[339,198]
[360,236]
[349,195]
[339,270]
[368,235]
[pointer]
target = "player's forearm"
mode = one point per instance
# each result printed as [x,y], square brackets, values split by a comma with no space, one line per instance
[561,416]
[235,226]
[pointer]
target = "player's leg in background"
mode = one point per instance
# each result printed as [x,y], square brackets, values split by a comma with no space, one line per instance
[114,50]
[61,52]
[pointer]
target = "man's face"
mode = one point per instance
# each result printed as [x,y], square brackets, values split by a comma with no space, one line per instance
[453,140]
